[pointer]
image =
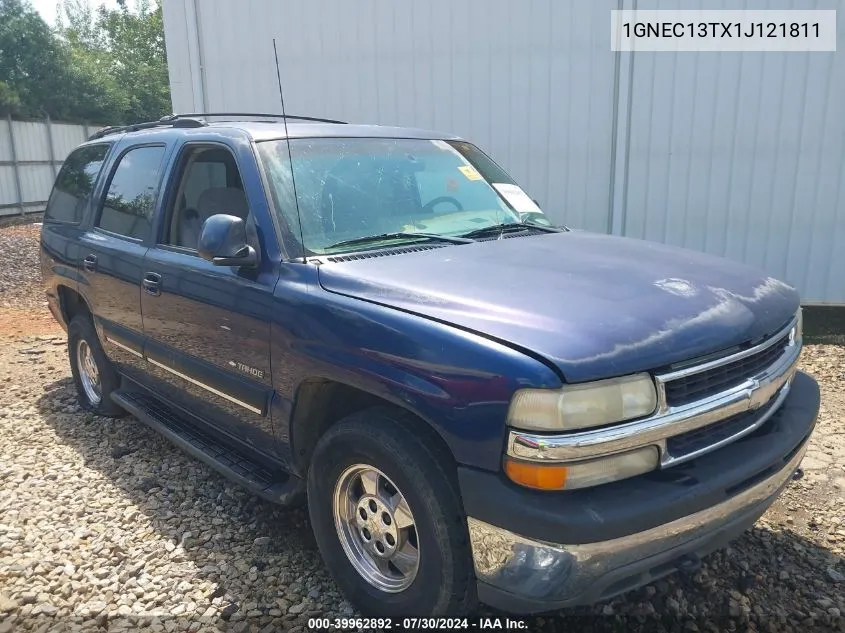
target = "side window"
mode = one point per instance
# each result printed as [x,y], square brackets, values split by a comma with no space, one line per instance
[209,183]
[128,207]
[74,184]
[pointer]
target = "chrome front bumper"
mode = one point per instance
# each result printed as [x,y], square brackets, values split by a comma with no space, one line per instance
[525,575]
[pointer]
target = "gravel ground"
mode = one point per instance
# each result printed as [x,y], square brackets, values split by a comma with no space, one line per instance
[106,526]
[23,309]
[22,275]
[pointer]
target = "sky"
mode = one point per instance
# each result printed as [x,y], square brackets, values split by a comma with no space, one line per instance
[47,8]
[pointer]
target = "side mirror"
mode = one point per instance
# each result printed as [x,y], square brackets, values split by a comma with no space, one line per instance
[223,242]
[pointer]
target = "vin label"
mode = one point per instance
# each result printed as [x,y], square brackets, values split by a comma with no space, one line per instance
[674,30]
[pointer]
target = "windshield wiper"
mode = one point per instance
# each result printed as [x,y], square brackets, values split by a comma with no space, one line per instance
[392,236]
[510,227]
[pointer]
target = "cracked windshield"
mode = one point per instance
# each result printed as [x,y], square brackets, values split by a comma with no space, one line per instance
[360,193]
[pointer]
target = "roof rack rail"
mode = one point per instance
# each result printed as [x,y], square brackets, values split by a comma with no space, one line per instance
[192,120]
[261,115]
[173,120]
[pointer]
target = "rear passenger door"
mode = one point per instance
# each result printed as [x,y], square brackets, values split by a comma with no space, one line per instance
[112,252]
[207,326]
[64,217]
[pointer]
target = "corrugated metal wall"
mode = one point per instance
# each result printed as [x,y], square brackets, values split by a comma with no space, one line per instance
[31,154]
[737,154]
[742,155]
[532,83]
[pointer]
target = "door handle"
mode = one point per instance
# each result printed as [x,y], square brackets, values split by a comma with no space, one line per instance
[152,284]
[90,263]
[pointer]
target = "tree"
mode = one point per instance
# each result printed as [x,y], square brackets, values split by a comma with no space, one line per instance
[135,41]
[101,65]
[125,49]
[10,101]
[97,95]
[34,74]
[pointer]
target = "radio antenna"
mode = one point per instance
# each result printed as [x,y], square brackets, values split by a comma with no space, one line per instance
[287,142]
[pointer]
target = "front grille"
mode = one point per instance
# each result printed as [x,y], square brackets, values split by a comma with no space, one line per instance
[712,381]
[705,437]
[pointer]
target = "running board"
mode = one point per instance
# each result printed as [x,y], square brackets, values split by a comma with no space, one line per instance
[276,486]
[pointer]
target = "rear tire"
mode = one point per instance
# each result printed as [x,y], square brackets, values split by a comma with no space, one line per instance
[93,373]
[402,546]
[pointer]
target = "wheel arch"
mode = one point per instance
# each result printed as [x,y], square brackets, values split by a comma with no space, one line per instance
[322,402]
[71,303]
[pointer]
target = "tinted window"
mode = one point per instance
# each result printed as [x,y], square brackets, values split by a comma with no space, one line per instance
[74,184]
[128,206]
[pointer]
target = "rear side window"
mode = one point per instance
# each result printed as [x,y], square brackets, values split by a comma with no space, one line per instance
[128,206]
[75,183]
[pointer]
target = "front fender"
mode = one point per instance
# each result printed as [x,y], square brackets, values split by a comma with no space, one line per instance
[459,382]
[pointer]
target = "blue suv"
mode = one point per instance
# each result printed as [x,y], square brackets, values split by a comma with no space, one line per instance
[476,404]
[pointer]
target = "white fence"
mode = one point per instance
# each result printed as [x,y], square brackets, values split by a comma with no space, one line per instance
[31,153]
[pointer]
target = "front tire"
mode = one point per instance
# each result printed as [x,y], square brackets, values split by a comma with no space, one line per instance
[388,519]
[93,374]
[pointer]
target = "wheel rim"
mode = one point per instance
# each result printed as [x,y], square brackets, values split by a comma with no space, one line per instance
[376,528]
[89,375]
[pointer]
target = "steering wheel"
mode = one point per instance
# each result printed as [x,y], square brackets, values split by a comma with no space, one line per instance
[428,207]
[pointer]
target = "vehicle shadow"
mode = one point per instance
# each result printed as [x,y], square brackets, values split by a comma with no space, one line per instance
[258,566]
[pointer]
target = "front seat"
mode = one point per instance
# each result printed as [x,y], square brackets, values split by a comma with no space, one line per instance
[228,200]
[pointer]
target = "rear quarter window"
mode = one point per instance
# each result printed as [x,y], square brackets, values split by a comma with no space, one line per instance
[74,184]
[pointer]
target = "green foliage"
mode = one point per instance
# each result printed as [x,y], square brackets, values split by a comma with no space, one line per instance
[10,100]
[135,42]
[101,65]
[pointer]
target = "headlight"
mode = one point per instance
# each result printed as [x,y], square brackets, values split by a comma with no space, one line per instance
[584,474]
[583,406]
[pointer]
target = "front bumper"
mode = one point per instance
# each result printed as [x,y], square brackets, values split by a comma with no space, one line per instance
[522,573]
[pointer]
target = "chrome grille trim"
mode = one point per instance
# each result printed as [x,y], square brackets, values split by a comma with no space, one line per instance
[668,459]
[694,387]
[732,358]
[668,421]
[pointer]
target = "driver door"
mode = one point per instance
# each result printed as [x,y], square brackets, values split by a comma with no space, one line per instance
[207,328]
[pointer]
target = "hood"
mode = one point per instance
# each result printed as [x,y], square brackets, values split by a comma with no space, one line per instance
[595,306]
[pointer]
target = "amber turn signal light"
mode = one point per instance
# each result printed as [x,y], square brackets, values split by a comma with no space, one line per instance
[583,474]
[539,476]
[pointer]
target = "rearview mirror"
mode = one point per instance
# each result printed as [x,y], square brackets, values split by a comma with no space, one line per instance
[223,242]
